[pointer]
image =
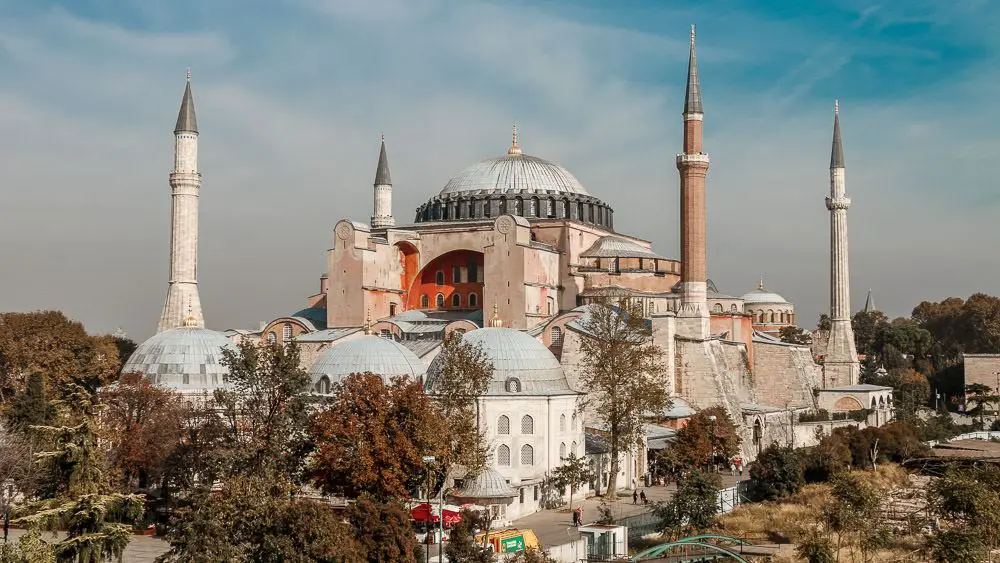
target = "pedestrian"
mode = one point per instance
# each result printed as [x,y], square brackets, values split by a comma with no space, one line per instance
[635,497]
[732,468]
[576,518]
[579,511]
[642,495]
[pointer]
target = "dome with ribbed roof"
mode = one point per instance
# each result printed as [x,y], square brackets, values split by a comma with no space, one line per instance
[514,172]
[763,296]
[369,353]
[488,484]
[521,364]
[186,359]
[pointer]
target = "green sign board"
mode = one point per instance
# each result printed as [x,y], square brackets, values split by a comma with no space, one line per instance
[511,545]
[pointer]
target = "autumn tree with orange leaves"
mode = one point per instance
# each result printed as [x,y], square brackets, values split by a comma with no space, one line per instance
[371,438]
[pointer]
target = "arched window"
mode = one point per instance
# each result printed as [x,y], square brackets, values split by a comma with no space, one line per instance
[503,425]
[519,207]
[770,316]
[557,337]
[473,299]
[425,301]
[551,304]
[272,337]
[385,333]
[732,308]
[873,403]
[562,423]
[286,332]
[760,317]
[527,424]
[439,278]
[513,385]
[456,300]
[486,209]
[717,308]
[527,455]
[503,456]
[573,422]
[323,385]
[572,449]
[439,300]
[562,450]
[536,209]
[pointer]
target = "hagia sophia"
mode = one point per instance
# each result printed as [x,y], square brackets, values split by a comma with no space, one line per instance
[511,253]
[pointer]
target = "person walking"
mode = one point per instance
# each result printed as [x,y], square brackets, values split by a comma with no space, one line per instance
[635,497]
[579,515]
[576,518]
[642,495]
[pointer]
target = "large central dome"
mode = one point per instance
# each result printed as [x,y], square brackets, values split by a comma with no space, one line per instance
[514,172]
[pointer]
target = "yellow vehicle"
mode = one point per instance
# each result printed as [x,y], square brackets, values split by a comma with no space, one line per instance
[510,541]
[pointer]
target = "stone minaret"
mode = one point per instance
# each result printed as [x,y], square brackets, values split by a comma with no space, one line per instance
[183,307]
[382,216]
[693,167]
[840,365]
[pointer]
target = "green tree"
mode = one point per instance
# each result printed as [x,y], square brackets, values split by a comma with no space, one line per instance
[981,395]
[573,472]
[866,325]
[855,512]
[794,335]
[30,548]
[827,459]
[79,497]
[694,507]
[265,409]
[776,473]
[622,371]
[462,546]
[957,545]
[970,499]
[382,530]
[31,406]
[708,437]
[825,323]
[815,547]
[911,390]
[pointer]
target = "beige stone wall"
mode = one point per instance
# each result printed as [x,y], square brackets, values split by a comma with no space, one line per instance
[982,369]
[785,374]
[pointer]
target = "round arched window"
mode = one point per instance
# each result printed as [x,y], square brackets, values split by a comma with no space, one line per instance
[513,385]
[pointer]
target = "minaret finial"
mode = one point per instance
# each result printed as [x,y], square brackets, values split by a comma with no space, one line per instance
[836,107]
[368,322]
[692,97]
[514,148]
[495,322]
[189,74]
[692,35]
[190,321]
[760,285]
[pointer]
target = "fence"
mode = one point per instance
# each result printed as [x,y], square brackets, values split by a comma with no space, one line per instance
[641,525]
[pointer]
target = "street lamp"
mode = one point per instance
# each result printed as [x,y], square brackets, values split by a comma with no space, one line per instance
[711,437]
[428,459]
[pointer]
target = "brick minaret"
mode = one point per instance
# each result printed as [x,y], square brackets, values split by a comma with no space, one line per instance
[382,212]
[183,306]
[840,365]
[693,167]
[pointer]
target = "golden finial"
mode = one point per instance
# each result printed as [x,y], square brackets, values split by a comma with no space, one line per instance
[368,322]
[760,285]
[836,107]
[495,322]
[514,149]
[189,74]
[190,321]
[692,34]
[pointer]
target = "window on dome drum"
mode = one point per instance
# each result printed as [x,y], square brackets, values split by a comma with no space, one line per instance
[439,278]
[473,300]
[527,455]
[286,332]
[503,425]
[456,300]
[323,385]
[562,450]
[527,424]
[519,207]
[557,338]
[770,316]
[733,307]
[503,456]
[385,333]
[439,300]
[272,337]
[717,308]
[392,309]
[425,301]
[456,274]
[562,423]
[513,385]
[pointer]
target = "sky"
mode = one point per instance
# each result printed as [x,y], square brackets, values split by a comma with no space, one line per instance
[292,96]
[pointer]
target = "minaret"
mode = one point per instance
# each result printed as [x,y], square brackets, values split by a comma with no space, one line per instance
[870,303]
[183,307]
[382,216]
[840,365]
[693,167]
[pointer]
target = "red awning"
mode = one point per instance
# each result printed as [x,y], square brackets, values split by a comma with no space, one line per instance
[427,513]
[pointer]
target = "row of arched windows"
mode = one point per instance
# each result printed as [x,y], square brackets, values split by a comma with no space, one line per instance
[771,316]
[527,424]
[590,212]
[527,455]
[562,423]
[456,300]
[562,450]
[718,308]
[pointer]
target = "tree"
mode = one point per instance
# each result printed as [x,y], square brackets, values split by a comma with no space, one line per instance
[79,497]
[708,437]
[910,390]
[794,335]
[142,425]
[382,530]
[694,507]
[573,472]
[265,409]
[970,499]
[981,395]
[372,437]
[17,467]
[825,323]
[816,547]
[531,555]
[30,548]
[961,544]
[462,546]
[827,459]
[855,511]
[622,371]
[866,325]
[776,473]
[30,406]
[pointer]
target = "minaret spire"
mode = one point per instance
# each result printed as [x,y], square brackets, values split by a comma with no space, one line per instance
[514,148]
[182,307]
[840,364]
[870,303]
[382,216]
[692,164]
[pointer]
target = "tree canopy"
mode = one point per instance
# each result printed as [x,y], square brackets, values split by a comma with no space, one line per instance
[710,436]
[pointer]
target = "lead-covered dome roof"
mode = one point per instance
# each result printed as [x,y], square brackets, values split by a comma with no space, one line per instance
[369,353]
[514,172]
[521,364]
[185,359]
[763,296]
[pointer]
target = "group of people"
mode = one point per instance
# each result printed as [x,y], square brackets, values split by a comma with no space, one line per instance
[736,465]
[637,495]
[578,516]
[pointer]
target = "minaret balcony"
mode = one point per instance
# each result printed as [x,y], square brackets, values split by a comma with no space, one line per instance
[692,158]
[833,203]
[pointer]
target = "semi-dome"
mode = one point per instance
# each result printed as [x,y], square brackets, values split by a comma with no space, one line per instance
[761,295]
[186,359]
[515,172]
[368,353]
[521,364]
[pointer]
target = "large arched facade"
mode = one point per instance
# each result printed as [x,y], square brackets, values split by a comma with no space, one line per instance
[453,280]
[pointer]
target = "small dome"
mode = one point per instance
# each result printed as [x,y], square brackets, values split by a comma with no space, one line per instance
[521,364]
[368,353]
[514,171]
[488,484]
[186,359]
[763,296]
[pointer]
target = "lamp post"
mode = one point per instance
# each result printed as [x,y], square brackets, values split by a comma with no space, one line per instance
[428,459]
[711,437]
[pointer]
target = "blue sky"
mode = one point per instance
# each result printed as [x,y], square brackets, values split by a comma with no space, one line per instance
[292,97]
